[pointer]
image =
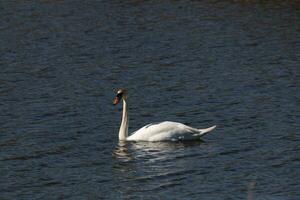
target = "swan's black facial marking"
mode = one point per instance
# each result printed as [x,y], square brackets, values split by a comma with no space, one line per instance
[119,95]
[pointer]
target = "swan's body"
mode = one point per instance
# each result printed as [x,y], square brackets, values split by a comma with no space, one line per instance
[167,131]
[164,131]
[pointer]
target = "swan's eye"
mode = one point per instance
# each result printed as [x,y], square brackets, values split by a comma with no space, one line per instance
[119,95]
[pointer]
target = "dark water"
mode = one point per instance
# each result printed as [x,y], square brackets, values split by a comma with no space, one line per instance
[233,64]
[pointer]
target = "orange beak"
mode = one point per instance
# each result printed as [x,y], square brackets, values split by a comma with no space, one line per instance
[116,100]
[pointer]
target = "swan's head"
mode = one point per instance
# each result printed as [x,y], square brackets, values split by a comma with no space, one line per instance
[121,94]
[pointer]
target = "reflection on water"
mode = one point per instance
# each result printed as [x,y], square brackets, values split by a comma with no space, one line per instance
[127,151]
[251,187]
[121,152]
[230,63]
[152,166]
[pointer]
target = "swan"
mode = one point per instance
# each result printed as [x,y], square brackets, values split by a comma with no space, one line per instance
[163,131]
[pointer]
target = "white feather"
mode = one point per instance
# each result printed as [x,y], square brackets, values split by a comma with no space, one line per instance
[167,131]
[164,131]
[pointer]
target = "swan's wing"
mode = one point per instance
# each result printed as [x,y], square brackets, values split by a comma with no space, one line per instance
[161,131]
[167,131]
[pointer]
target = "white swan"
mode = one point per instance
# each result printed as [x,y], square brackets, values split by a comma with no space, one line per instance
[164,131]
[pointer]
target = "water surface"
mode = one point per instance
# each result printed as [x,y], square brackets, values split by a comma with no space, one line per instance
[233,64]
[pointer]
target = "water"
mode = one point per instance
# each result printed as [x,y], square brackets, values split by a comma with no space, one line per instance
[233,64]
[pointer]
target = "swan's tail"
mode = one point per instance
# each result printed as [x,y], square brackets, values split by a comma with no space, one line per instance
[205,131]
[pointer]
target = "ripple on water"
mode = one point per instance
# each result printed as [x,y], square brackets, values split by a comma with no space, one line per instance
[230,63]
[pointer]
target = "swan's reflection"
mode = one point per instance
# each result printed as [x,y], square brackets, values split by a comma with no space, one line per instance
[150,166]
[121,152]
[128,151]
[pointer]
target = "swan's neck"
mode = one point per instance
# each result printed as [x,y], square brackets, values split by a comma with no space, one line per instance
[123,132]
